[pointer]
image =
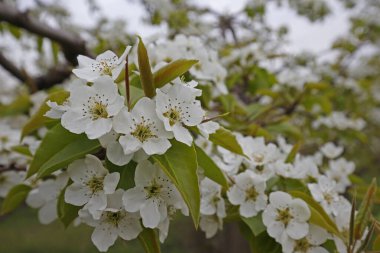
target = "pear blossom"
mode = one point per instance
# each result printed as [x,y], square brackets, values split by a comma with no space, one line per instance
[331,151]
[56,110]
[106,63]
[142,129]
[210,224]
[114,150]
[311,243]
[325,193]
[114,222]
[259,155]
[91,108]
[286,217]
[178,108]
[229,162]
[248,194]
[45,197]
[211,199]
[339,170]
[91,184]
[8,179]
[152,195]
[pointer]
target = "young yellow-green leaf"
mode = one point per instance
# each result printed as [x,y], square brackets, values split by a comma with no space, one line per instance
[224,138]
[171,71]
[20,105]
[59,148]
[66,212]
[38,119]
[363,216]
[318,215]
[255,224]
[15,197]
[211,170]
[180,165]
[292,155]
[146,75]
[23,150]
[149,240]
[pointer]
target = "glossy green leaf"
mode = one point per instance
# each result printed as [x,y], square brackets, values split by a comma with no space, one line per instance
[66,212]
[171,71]
[127,173]
[38,119]
[23,150]
[146,75]
[318,215]
[261,243]
[180,165]
[58,149]
[224,138]
[211,170]
[149,240]
[255,224]
[15,197]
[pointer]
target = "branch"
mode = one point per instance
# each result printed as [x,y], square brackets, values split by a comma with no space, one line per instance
[72,45]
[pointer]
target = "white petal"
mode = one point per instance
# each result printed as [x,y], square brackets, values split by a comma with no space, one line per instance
[86,73]
[150,214]
[156,146]
[235,195]
[104,236]
[95,166]
[280,199]
[110,182]
[99,127]
[74,122]
[182,134]
[97,202]
[133,199]
[84,61]
[275,230]
[130,144]
[299,210]
[34,199]
[115,154]
[48,213]
[105,56]
[77,194]
[296,230]
[129,228]
[145,172]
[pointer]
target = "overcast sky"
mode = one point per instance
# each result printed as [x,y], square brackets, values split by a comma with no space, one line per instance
[303,35]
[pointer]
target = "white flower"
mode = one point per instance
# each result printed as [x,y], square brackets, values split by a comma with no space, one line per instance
[91,183]
[191,84]
[211,199]
[178,108]
[45,197]
[339,170]
[331,151]
[152,195]
[210,224]
[208,128]
[114,150]
[114,221]
[91,108]
[303,167]
[325,193]
[229,162]
[56,111]
[248,193]
[260,155]
[8,179]
[106,63]
[142,129]
[286,217]
[309,244]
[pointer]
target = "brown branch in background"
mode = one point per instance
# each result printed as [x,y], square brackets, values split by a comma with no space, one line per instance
[71,44]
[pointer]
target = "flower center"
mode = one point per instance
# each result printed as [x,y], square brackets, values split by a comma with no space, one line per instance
[174,115]
[114,218]
[98,110]
[106,69]
[284,215]
[143,132]
[153,190]
[96,184]
[302,245]
[251,194]
[328,197]
[259,158]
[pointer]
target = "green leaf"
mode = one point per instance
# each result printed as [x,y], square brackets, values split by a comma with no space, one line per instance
[224,138]
[58,149]
[20,105]
[292,155]
[318,215]
[38,119]
[146,75]
[171,71]
[127,173]
[55,51]
[180,165]
[255,224]
[211,170]
[261,243]
[23,150]
[149,240]
[363,216]
[66,212]
[15,197]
